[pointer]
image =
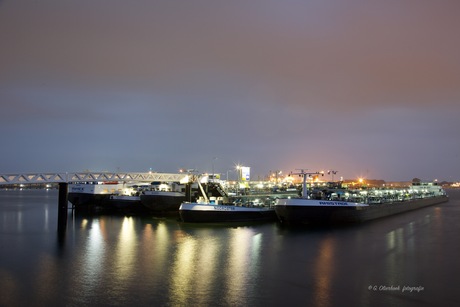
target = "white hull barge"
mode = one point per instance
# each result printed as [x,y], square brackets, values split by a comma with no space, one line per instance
[219,209]
[89,195]
[113,196]
[223,213]
[168,198]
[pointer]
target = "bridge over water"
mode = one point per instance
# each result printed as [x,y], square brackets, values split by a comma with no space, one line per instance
[30,178]
[63,179]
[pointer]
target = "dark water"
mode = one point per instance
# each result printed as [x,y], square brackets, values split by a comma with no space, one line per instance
[121,261]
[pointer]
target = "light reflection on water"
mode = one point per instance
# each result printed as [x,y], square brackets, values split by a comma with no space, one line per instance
[122,260]
[94,260]
[224,265]
[183,271]
[126,250]
[238,269]
[324,271]
[394,258]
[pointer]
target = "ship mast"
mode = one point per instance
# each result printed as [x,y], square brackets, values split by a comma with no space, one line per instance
[303,173]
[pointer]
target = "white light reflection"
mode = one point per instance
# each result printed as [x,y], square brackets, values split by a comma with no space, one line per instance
[46,219]
[207,262]
[162,241]
[154,253]
[395,248]
[147,253]
[160,246]
[19,221]
[94,258]
[84,223]
[193,272]
[183,273]
[126,250]
[12,220]
[255,252]
[243,257]
[410,244]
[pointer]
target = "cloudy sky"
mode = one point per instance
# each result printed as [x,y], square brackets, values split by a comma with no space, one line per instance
[367,88]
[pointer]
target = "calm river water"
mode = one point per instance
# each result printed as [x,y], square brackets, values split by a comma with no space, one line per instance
[411,259]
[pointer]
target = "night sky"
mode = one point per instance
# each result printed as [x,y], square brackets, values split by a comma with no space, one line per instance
[368,88]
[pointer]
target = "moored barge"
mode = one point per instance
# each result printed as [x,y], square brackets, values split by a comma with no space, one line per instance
[220,208]
[341,208]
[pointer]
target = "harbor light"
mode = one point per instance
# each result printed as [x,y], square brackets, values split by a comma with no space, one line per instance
[185,180]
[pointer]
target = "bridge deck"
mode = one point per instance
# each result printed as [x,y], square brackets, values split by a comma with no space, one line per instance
[26,178]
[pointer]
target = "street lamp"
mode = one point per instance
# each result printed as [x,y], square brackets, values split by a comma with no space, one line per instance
[332,172]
